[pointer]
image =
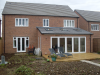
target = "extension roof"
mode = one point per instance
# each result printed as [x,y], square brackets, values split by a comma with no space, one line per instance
[62,30]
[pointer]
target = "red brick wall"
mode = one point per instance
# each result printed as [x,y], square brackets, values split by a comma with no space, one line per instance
[83,24]
[31,31]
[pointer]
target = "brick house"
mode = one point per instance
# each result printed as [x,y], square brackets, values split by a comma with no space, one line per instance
[90,21]
[44,26]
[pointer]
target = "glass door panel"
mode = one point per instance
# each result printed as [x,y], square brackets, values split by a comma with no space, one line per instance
[62,43]
[75,44]
[82,44]
[23,44]
[55,44]
[69,44]
[19,44]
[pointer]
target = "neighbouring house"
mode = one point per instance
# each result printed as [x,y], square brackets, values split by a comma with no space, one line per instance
[90,21]
[44,26]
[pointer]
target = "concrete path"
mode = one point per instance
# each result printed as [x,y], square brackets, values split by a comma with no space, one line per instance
[90,62]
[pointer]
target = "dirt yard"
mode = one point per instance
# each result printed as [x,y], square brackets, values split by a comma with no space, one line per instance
[42,67]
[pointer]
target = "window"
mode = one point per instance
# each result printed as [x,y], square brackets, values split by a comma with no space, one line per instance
[27,41]
[45,22]
[94,27]
[14,42]
[21,21]
[69,23]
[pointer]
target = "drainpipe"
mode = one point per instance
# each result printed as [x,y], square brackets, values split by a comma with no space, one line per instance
[90,43]
[77,22]
[4,33]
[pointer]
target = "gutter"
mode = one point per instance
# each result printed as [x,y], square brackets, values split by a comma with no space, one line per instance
[4,33]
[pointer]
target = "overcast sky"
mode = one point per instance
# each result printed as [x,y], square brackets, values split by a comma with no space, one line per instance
[93,5]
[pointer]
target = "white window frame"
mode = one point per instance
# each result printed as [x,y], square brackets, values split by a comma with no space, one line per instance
[65,25]
[16,41]
[21,22]
[58,39]
[45,23]
[28,41]
[13,42]
[94,29]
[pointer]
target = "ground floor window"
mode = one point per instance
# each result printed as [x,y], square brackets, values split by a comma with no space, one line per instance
[69,44]
[21,43]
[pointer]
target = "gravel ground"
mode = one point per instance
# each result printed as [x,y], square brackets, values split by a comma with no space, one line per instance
[42,67]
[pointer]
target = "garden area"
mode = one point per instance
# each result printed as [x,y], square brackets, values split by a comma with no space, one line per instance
[30,65]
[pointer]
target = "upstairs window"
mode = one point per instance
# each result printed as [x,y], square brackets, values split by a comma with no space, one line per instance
[69,23]
[45,22]
[94,27]
[21,21]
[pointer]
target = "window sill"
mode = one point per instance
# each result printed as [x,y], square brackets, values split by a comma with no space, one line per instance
[69,27]
[94,30]
[21,26]
[45,26]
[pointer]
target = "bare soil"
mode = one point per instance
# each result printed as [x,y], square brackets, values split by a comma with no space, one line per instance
[97,60]
[42,67]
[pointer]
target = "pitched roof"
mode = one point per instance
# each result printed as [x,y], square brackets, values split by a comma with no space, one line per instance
[89,15]
[38,9]
[62,30]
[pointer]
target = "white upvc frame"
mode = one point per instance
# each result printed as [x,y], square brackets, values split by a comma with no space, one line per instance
[13,42]
[21,22]
[94,24]
[66,23]
[45,22]
[28,41]
[58,38]
[20,43]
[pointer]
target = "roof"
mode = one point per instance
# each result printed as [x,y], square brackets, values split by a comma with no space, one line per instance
[38,9]
[89,15]
[62,30]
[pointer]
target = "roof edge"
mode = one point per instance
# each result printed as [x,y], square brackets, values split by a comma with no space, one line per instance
[80,14]
[41,15]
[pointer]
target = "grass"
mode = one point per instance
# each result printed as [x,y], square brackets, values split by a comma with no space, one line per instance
[3,66]
[32,59]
